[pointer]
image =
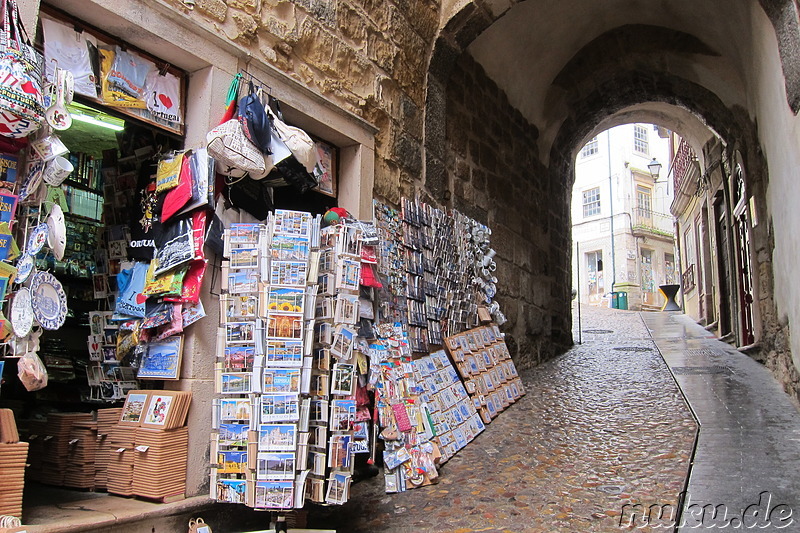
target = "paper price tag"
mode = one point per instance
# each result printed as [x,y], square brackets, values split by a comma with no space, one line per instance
[120,450]
[73,442]
[142,448]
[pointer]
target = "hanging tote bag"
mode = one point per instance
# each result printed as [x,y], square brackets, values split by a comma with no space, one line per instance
[235,154]
[21,100]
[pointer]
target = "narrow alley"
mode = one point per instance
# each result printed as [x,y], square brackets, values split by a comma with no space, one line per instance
[601,427]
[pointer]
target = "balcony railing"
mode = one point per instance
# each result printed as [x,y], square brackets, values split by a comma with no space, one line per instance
[681,163]
[687,279]
[649,220]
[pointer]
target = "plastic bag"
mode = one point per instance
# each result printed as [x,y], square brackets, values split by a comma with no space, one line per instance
[31,372]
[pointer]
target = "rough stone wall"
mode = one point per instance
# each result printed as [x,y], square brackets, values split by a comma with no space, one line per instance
[494,176]
[367,56]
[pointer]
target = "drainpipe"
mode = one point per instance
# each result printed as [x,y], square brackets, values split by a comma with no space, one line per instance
[611,207]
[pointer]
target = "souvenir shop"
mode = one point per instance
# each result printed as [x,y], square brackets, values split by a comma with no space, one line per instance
[340,341]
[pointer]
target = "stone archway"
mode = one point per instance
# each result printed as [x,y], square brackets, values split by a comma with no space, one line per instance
[605,77]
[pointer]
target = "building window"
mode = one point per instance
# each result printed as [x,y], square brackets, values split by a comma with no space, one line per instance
[591,202]
[590,148]
[640,142]
[644,203]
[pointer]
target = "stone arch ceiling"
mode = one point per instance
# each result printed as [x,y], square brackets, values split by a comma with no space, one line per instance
[551,57]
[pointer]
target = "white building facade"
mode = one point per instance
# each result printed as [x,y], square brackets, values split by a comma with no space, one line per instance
[622,229]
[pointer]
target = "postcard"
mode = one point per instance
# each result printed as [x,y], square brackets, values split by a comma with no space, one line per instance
[284,352]
[235,409]
[243,258]
[343,415]
[273,437]
[239,306]
[281,380]
[284,326]
[236,382]
[289,248]
[233,434]
[286,299]
[231,490]
[231,462]
[274,494]
[280,407]
[242,281]
[293,273]
[291,222]
[343,379]
[239,357]
[243,233]
[275,465]
[240,332]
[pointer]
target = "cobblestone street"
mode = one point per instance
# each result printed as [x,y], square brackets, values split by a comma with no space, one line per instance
[601,426]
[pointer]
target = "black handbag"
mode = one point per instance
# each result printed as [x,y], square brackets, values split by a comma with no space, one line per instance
[255,121]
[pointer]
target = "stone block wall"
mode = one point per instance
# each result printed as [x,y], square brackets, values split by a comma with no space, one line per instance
[367,56]
[495,177]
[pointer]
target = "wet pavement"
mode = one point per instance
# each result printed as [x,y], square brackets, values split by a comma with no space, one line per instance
[602,426]
[745,473]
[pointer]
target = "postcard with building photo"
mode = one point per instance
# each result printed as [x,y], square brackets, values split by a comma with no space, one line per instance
[236,382]
[275,465]
[233,434]
[280,407]
[235,409]
[281,380]
[274,494]
[277,437]
[281,325]
[288,273]
[289,248]
[243,258]
[343,379]
[243,233]
[239,357]
[285,222]
[242,281]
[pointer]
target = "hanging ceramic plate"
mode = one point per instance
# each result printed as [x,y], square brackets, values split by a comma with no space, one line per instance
[49,300]
[22,312]
[24,268]
[36,239]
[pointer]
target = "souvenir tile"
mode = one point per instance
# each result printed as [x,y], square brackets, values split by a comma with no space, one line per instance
[134,409]
[277,437]
[162,360]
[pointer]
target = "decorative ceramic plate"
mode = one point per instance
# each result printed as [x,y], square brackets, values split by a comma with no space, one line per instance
[22,312]
[36,239]
[24,267]
[49,300]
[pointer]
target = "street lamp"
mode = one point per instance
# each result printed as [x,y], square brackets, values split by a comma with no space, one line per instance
[655,168]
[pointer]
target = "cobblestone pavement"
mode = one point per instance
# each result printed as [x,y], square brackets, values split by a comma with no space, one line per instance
[602,426]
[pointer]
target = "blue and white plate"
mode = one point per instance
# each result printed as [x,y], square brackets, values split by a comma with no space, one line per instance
[21,312]
[36,239]
[24,267]
[49,300]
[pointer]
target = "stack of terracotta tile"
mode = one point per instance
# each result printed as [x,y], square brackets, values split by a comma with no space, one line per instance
[106,420]
[120,463]
[160,463]
[56,445]
[81,452]
[13,455]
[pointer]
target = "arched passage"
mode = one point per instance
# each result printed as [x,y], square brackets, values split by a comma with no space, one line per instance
[515,84]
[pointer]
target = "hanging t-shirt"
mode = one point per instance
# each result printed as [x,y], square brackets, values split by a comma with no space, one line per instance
[163,96]
[70,50]
[131,300]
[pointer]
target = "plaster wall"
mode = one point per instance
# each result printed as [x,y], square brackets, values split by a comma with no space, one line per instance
[779,133]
